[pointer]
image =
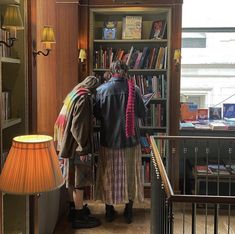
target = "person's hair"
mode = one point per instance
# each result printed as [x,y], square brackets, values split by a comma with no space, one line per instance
[118,67]
[90,82]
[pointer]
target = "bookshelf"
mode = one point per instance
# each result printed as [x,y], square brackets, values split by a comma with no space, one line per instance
[147,77]
[14,120]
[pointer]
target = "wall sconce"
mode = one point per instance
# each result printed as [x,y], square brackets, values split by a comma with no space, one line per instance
[82,55]
[12,21]
[47,37]
[177,57]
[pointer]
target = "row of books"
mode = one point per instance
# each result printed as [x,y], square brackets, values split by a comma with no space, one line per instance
[6,105]
[146,172]
[135,58]
[156,116]
[132,29]
[150,84]
[4,50]
[145,145]
[191,112]
[161,144]
[215,169]
[209,125]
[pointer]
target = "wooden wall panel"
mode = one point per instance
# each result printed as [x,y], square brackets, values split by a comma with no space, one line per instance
[67,50]
[46,70]
[57,73]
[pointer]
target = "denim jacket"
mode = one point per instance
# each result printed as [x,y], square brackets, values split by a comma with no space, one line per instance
[110,109]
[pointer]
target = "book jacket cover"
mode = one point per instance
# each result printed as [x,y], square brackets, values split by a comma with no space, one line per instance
[214,113]
[158,29]
[229,110]
[202,114]
[131,27]
[188,111]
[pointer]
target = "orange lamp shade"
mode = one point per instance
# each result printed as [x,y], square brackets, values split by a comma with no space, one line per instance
[31,166]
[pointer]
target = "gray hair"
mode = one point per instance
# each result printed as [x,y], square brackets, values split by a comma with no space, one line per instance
[118,67]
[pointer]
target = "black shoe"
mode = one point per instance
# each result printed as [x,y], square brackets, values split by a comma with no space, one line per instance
[128,214]
[72,211]
[110,213]
[82,220]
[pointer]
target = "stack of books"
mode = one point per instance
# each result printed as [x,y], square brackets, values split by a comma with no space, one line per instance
[216,125]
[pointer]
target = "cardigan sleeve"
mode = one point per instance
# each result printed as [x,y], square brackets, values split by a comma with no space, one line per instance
[81,125]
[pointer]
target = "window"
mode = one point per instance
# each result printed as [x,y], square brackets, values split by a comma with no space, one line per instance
[208,57]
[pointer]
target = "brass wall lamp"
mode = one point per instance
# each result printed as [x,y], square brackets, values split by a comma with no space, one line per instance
[12,21]
[47,37]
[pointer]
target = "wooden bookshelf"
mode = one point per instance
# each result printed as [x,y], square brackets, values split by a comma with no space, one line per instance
[14,81]
[98,45]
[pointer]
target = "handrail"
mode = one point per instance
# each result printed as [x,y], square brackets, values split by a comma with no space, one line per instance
[203,199]
[194,138]
[161,167]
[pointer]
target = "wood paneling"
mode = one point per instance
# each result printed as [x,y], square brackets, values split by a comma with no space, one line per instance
[57,73]
[67,49]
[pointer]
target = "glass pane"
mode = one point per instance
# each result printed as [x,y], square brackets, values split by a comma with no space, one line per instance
[208,58]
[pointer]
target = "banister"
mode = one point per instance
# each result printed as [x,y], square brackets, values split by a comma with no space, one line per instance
[167,185]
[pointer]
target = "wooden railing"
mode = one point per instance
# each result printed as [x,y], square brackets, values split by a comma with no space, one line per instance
[164,198]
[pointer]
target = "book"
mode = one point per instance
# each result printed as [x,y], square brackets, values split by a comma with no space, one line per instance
[218,125]
[229,110]
[204,126]
[131,27]
[202,114]
[187,125]
[6,105]
[214,113]
[203,169]
[218,169]
[231,168]
[110,30]
[158,29]
[188,112]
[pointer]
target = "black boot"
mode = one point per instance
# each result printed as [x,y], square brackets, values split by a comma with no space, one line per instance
[110,213]
[82,220]
[72,211]
[128,214]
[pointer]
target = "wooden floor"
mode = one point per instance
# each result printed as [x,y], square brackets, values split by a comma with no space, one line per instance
[140,224]
[141,221]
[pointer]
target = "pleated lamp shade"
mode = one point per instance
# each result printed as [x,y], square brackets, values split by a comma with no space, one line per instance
[31,167]
[48,36]
[12,18]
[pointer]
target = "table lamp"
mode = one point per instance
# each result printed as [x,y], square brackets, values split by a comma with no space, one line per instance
[31,167]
